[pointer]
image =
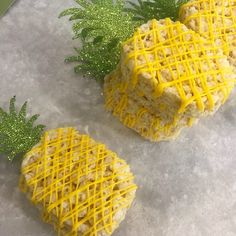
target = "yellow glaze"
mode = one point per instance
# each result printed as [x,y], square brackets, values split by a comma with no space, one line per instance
[183,54]
[141,119]
[213,19]
[68,174]
[199,74]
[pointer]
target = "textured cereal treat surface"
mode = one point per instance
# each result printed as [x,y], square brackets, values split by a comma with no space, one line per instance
[173,73]
[81,187]
[132,113]
[165,58]
[215,20]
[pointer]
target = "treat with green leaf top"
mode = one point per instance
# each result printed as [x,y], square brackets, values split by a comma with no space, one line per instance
[46,168]
[162,80]
[17,133]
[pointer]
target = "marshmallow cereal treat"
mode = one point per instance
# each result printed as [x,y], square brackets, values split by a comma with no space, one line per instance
[136,116]
[80,186]
[215,20]
[168,77]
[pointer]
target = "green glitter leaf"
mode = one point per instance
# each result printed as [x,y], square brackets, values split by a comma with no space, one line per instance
[104,64]
[72,11]
[101,26]
[17,133]
[146,10]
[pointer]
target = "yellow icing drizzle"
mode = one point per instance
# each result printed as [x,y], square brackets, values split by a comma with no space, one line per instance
[152,127]
[188,52]
[213,19]
[199,74]
[82,187]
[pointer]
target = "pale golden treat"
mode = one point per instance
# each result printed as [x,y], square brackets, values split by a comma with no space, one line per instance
[133,114]
[173,66]
[215,20]
[172,72]
[80,186]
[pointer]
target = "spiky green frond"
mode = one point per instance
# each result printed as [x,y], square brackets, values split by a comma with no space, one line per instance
[96,62]
[17,133]
[146,10]
[101,25]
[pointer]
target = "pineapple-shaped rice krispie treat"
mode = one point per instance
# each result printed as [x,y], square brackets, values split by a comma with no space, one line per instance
[160,75]
[215,20]
[80,186]
[168,77]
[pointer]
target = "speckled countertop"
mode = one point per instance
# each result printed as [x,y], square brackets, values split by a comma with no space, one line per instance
[186,187]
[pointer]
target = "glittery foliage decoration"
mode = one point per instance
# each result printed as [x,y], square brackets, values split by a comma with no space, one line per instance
[101,26]
[145,10]
[17,133]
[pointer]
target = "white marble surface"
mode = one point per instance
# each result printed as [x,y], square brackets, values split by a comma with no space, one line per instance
[186,187]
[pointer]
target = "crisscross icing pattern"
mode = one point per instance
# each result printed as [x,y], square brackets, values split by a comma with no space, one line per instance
[82,187]
[167,54]
[167,78]
[213,19]
[135,116]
